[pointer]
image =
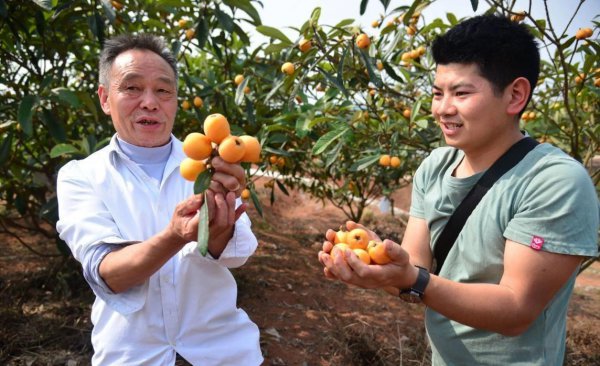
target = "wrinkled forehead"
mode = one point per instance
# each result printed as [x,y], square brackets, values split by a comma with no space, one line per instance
[143,64]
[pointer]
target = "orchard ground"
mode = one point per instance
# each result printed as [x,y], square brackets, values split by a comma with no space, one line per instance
[304,319]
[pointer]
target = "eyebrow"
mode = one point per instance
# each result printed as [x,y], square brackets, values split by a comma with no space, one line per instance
[456,86]
[134,76]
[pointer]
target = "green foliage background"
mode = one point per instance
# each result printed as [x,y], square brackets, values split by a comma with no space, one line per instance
[328,123]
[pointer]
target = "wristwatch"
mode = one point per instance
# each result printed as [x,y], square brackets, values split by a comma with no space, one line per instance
[416,292]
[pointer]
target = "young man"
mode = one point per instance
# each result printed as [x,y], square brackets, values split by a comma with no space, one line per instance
[501,297]
[131,220]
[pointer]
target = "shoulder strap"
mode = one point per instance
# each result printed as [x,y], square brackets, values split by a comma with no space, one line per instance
[456,222]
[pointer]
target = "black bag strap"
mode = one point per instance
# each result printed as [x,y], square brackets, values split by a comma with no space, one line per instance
[456,222]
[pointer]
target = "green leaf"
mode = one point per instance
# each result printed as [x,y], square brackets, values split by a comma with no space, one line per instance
[363,6]
[274,90]
[391,72]
[202,32]
[276,47]
[96,25]
[315,15]
[202,243]
[423,123]
[256,202]
[63,149]
[274,33]
[343,23]
[410,11]
[324,141]
[5,148]
[109,11]
[334,81]
[363,163]
[25,113]
[373,76]
[44,4]
[67,96]
[451,18]
[246,7]
[474,4]
[282,187]
[541,24]
[55,127]
[240,32]
[239,92]
[224,20]
[333,154]
[385,3]
[3,11]
[202,182]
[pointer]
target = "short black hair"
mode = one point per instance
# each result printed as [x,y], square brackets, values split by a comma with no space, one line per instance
[115,46]
[502,49]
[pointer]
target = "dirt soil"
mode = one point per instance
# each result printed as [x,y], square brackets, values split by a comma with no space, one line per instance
[304,319]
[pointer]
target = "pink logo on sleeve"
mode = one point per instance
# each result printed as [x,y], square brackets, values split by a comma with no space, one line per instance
[537,242]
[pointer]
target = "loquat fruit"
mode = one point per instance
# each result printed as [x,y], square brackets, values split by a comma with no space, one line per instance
[190,33]
[197,146]
[238,79]
[385,160]
[304,45]
[363,255]
[288,68]
[252,149]
[245,194]
[216,127]
[232,149]
[190,168]
[357,238]
[363,41]
[377,252]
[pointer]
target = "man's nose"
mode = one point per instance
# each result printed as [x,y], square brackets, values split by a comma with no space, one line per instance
[149,100]
[445,106]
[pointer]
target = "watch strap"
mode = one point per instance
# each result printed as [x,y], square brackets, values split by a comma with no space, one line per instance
[416,291]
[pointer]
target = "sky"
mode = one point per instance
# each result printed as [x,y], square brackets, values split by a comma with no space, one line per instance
[282,14]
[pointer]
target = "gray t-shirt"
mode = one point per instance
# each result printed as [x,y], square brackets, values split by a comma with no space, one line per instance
[547,200]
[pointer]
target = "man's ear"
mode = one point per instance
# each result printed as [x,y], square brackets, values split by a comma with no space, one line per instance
[518,93]
[103,95]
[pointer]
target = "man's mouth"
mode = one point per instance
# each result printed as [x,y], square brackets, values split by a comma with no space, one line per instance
[452,125]
[147,122]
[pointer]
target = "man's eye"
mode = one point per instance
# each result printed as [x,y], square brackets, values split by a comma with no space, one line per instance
[461,93]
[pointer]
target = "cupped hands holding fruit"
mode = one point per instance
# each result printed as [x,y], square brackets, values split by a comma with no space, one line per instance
[213,162]
[357,256]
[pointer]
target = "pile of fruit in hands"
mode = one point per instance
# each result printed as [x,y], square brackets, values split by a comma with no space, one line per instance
[358,240]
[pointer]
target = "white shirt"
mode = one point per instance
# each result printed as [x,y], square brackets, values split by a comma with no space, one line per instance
[188,306]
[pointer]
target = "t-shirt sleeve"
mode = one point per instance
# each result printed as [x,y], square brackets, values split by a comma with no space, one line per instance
[558,211]
[419,187]
[90,232]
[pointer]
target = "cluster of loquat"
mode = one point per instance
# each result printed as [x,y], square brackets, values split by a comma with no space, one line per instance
[367,250]
[391,161]
[216,140]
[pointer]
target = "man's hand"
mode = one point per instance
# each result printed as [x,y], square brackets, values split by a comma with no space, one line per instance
[222,217]
[184,222]
[399,273]
[227,177]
